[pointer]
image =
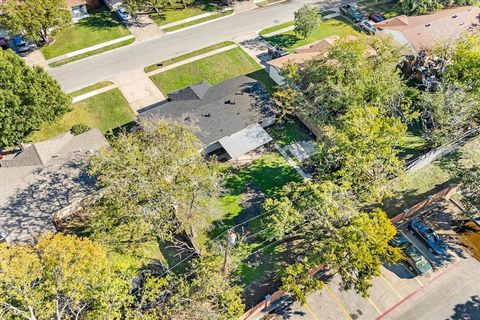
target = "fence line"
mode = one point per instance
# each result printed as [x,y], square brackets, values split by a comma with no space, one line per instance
[433,155]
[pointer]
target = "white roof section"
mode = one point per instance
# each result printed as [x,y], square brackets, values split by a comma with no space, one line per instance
[245,140]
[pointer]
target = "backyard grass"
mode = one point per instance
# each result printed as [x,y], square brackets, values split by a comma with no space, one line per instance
[104,111]
[336,26]
[189,55]
[416,186]
[213,69]
[197,21]
[290,131]
[413,144]
[277,27]
[92,53]
[88,89]
[100,27]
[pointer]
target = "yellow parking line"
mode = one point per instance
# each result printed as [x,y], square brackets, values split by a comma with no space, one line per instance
[374,305]
[337,301]
[310,311]
[418,280]
[391,287]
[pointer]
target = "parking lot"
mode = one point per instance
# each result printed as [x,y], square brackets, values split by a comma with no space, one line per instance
[450,291]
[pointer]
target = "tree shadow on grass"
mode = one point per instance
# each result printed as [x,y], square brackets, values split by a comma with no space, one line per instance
[100,19]
[284,40]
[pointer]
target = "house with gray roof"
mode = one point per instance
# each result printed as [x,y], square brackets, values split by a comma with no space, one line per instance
[40,179]
[230,116]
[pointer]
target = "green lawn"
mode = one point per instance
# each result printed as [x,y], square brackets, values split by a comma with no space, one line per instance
[100,27]
[277,27]
[336,26]
[194,22]
[104,111]
[432,178]
[213,69]
[413,144]
[186,56]
[88,89]
[177,14]
[92,53]
[288,132]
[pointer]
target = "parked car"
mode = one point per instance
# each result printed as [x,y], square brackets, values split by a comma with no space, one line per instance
[434,243]
[376,17]
[123,15]
[20,43]
[415,260]
[4,44]
[352,12]
[367,26]
[399,241]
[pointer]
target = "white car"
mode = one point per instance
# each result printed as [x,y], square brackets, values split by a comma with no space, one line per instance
[367,26]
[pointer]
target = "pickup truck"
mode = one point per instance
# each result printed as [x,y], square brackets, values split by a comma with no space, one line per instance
[352,12]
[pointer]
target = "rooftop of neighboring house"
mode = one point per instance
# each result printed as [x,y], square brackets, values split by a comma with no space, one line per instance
[74,3]
[217,110]
[307,52]
[42,178]
[427,31]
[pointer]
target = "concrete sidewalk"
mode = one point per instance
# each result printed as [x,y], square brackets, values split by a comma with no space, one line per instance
[93,93]
[139,90]
[197,17]
[88,49]
[256,47]
[195,58]
[145,29]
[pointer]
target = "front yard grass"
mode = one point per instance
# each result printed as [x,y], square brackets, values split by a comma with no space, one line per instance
[336,26]
[186,56]
[213,69]
[416,186]
[277,27]
[88,89]
[101,26]
[104,111]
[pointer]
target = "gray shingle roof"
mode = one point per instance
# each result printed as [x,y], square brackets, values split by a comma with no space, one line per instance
[219,110]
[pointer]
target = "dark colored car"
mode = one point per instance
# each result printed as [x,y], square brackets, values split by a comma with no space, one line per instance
[415,260]
[434,243]
[123,15]
[4,44]
[399,241]
[376,17]
[352,12]
[20,43]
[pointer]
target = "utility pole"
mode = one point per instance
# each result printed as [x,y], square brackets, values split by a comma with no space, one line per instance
[231,239]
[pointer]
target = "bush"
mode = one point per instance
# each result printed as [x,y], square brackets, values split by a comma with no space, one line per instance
[79,128]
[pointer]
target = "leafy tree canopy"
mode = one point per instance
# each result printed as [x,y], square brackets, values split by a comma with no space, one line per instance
[34,18]
[28,98]
[412,7]
[354,72]
[156,184]
[470,189]
[307,20]
[328,231]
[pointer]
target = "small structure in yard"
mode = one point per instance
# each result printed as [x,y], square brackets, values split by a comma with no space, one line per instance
[113,4]
[424,32]
[231,116]
[301,55]
[41,179]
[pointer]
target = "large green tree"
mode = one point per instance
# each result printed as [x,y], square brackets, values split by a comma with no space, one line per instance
[412,7]
[28,98]
[328,231]
[60,277]
[354,72]
[34,18]
[307,20]
[156,184]
[470,189]
[360,153]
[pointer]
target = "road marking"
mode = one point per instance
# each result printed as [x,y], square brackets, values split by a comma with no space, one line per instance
[416,291]
[374,305]
[391,287]
[337,301]
[310,311]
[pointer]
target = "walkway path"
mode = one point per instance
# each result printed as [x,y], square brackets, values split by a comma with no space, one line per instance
[139,90]
[282,151]
[145,29]
[256,47]
[93,93]
[195,58]
[88,49]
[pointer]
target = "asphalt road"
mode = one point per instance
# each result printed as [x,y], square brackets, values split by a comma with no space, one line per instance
[118,63]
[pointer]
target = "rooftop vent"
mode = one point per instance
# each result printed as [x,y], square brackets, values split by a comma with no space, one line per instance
[207,115]
[454,16]
[229,101]
[428,25]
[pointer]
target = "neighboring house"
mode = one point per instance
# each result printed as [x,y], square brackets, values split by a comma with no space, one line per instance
[426,31]
[79,8]
[43,179]
[300,56]
[113,4]
[230,115]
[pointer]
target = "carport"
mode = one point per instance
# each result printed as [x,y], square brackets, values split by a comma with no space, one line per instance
[245,140]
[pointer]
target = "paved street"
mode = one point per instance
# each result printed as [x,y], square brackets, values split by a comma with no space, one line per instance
[135,57]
